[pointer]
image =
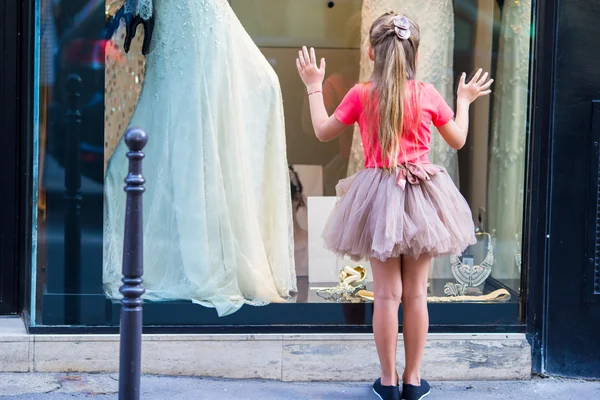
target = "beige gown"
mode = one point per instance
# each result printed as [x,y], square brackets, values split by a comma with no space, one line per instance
[509,135]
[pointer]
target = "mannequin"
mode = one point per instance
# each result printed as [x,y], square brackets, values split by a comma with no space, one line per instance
[217,209]
[436,54]
[509,133]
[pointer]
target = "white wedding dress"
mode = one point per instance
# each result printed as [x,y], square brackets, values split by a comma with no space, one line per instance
[217,212]
[436,59]
[509,135]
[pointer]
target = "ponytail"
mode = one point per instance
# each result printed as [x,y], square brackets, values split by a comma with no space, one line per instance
[395,46]
[391,94]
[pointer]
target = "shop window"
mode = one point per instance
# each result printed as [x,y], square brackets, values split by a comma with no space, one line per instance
[238,187]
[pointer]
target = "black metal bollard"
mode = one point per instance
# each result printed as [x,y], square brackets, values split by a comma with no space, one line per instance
[72,224]
[133,270]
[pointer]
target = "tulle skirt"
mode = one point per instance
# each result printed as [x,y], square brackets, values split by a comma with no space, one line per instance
[415,210]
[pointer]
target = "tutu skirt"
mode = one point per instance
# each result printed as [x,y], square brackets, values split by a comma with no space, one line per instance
[415,210]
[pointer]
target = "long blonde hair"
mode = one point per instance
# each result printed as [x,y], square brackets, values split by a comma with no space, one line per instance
[394,40]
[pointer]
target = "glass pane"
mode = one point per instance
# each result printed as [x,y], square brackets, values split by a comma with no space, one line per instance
[275,23]
[69,250]
[228,240]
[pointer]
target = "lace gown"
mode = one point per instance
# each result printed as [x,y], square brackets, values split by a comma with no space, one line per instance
[509,133]
[436,54]
[217,212]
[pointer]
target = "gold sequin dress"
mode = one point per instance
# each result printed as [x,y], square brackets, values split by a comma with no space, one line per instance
[124,77]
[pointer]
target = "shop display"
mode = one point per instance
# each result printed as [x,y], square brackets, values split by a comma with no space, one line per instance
[352,289]
[217,210]
[469,275]
[352,281]
[125,73]
[238,188]
[436,55]
[509,136]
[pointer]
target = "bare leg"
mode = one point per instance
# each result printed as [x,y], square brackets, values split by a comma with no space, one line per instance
[416,316]
[387,284]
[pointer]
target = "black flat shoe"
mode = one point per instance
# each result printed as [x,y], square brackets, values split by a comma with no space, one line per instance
[386,392]
[412,392]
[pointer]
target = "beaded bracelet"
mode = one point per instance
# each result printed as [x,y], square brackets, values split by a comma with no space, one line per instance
[316,91]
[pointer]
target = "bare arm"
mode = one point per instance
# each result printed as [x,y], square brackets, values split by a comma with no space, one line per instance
[455,132]
[326,127]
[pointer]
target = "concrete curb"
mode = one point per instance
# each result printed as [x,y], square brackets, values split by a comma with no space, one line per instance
[288,358]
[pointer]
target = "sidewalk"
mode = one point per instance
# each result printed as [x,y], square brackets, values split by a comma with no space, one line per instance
[30,386]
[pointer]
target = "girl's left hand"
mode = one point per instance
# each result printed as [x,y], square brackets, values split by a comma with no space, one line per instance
[311,74]
[477,87]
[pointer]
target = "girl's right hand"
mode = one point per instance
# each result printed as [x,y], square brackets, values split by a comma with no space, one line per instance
[312,74]
[477,87]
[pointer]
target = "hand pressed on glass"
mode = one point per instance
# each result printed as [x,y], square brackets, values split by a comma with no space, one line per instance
[477,87]
[311,74]
[455,132]
[326,127]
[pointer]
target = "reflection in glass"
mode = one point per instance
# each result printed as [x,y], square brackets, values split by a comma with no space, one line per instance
[72,43]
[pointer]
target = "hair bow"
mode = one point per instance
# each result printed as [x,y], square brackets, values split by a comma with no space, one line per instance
[402,27]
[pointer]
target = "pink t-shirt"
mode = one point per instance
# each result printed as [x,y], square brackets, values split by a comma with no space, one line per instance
[415,142]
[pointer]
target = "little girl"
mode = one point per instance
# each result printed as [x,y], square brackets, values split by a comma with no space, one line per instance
[401,210]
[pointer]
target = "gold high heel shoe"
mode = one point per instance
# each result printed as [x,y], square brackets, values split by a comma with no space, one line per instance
[351,281]
[353,276]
